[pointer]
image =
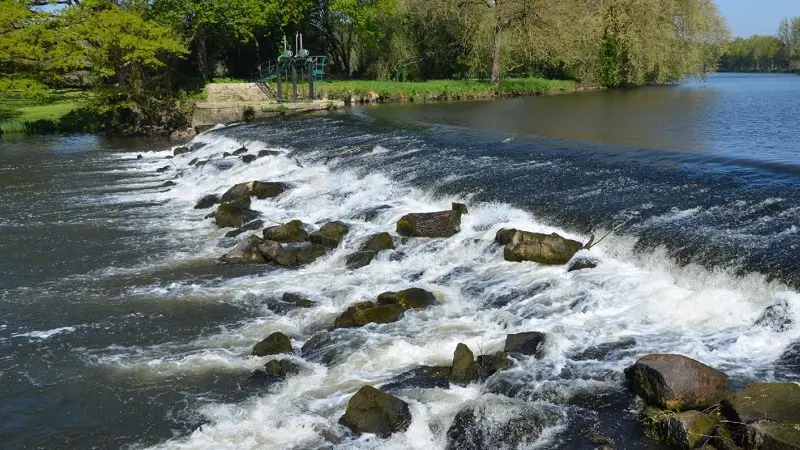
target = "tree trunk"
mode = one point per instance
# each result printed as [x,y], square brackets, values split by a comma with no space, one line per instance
[496,55]
[201,51]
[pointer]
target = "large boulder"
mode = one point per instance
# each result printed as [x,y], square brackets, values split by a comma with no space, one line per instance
[246,252]
[330,235]
[369,249]
[431,225]
[488,365]
[765,416]
[234,214]
[537,247]
[290,255]
[685,431]
[376,412]
[274,344]
[676,382]
[281,368]
[530,343]
[464,369]
[288,232]
[258,189]
[413,298]
[180,150]
[364,313]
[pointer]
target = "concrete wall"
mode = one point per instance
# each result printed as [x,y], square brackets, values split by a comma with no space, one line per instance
[234,92]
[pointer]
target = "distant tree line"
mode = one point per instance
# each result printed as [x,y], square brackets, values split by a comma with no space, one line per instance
[140,52]
[763,53]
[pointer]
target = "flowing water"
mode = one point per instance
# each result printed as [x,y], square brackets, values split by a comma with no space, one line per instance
[119,329]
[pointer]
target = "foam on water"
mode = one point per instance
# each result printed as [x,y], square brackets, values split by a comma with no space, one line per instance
[708,315]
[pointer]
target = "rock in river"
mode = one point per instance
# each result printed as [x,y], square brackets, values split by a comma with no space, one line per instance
[207,202]
[676,382]
[330,235]
[257,189]
[464,370]
[413,298]
[288,232]
[369,249]
[431,225]
[537,247]
[363,313]
[373,411]
[246,252]
[530,343]
[290,255]
[234,214]
[765,416]
[274,344]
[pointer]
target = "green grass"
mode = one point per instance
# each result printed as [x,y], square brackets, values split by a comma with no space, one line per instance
[440,89]
[15,112]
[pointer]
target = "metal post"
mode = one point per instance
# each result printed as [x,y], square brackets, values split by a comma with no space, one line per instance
[310,80]
[294,82]
[278,79]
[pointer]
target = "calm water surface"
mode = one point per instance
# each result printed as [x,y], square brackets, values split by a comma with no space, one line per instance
[118,329]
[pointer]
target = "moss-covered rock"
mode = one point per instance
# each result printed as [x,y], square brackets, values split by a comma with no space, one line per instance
[290,256]
[464,369]
[776,402]
[239,151]
[258,189]
[234,214]
[246,252]
[378,314]
[676,382]
[431,225]
[297,300]
[460,207]
[281,368]
[288,232]
[688,430]
[180,151]
[330,235]
[413,298]
[540,248]
[505,235]
[488,365]
[347,318]
[274,344]
[207,201]
[766,435]
[247,159]
[530,343]
[376,412]
[378,243]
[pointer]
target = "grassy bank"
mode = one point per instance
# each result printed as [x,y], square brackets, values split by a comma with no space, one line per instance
[395,91]
[16,112]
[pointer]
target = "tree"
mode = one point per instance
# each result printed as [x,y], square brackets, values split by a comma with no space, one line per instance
[24,37]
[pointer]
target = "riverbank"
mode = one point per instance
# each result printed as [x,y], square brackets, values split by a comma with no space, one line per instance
[17,115]
[366,91]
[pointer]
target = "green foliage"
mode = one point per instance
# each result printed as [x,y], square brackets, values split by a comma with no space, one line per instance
[760,53]
[440,89]
[248,114]
[15,112]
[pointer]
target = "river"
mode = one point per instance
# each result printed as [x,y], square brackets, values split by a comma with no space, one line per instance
[119,328]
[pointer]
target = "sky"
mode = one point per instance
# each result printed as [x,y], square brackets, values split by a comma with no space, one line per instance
[749,17]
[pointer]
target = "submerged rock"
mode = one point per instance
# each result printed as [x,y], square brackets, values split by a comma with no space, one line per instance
[347,318]
[537,247]
[431,225]
[239,151]
[249,226]
[207,202]
[162,169]
[376,412]
[168,184]
[423,377]
[288,232]
[264,153]
[330,235]
[258,189]
[234,214]
[247,159]
[600,352]
[676,382]
[413,298]
[180,151]
[369,249]
[194,161]
[530,343]
[298,300]
[496,422]
[582,264]
[274,344]
[777,317]
[464,370]
[488,365]
[292,255]
[246,252]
